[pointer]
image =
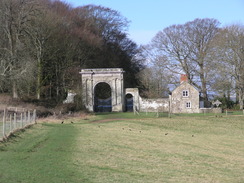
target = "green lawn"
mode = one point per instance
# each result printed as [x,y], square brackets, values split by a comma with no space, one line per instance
[116,148]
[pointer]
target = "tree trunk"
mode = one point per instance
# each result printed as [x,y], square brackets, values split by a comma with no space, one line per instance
[204,87]
[39,76]
[237,95]
[241,98]
[15,92]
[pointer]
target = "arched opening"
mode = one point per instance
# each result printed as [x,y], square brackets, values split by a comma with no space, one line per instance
[102,98]
[129,102]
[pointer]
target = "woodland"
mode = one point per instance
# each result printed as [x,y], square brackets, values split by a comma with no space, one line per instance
[45,43]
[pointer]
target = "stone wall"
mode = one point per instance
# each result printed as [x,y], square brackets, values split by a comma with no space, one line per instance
[210,110]
[70,97]
[147,105]
[154,105]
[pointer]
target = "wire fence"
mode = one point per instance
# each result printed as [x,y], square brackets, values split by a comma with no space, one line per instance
[12,119]
[158,113]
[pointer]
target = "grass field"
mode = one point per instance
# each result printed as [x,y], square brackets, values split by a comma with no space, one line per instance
[121,147]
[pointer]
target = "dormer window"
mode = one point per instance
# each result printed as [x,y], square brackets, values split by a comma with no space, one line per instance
[185,93]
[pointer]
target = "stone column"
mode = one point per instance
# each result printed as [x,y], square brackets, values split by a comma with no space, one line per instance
[87,91]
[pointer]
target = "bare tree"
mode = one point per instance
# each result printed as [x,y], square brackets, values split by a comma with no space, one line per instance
[104,21]
[40,29]
[155,82]
[14,16]
[229,54]
[187,48]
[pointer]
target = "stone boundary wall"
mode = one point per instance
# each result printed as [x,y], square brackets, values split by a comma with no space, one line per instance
[154,105]
[210,110]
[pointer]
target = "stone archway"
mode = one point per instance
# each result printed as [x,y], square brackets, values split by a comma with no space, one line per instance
[102,98]
[129,103]
[113,77]
[134,92]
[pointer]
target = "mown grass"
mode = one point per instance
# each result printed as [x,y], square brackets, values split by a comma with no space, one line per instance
[117,148]
[41,154]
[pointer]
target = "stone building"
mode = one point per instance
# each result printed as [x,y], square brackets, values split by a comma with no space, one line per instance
[184,98]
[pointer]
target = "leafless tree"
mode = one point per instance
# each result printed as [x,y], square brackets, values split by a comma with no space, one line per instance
[14,16]
[187,48]
[229,54]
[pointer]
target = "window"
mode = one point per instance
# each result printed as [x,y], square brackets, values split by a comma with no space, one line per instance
[188,104]
[185,93]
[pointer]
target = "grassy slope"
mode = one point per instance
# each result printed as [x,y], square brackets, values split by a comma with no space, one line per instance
[180,149]
[40,154]
[213,154]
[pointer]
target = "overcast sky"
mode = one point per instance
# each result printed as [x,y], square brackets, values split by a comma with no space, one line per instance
[147,17]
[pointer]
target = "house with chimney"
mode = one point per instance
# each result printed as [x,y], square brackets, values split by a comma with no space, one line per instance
[184,98]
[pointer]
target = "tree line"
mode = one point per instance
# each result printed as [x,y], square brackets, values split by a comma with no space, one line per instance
[45,43]
[210,55]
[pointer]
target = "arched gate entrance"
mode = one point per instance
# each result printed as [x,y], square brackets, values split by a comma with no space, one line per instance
[102,98]
[92,93]
[129,103]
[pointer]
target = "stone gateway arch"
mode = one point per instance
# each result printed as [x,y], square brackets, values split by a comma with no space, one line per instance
[112,77]
[104,89]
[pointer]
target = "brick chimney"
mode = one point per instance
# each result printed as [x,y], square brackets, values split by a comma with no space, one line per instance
[183,78]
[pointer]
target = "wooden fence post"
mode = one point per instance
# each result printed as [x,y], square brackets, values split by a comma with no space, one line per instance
[21,117]
[25,121]
[15,121]
[10,123]
[169,113]
[28,116]
[4,121]
[34,116]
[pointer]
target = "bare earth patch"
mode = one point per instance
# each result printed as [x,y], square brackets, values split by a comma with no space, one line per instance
[64,117]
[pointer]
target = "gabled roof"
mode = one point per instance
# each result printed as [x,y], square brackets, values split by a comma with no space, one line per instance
[186,83]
